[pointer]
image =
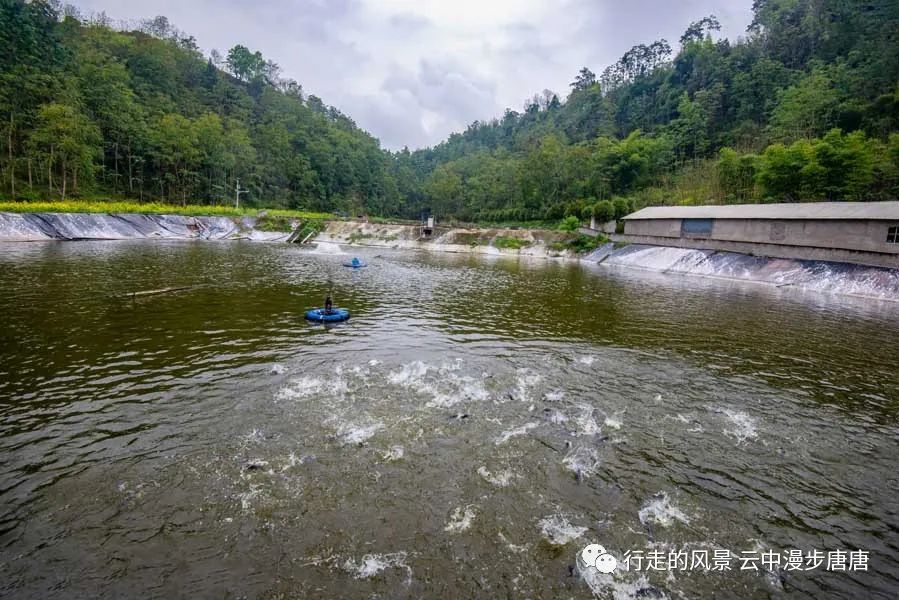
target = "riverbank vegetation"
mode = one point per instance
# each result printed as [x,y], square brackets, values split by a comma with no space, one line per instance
[804,107]
[155,208]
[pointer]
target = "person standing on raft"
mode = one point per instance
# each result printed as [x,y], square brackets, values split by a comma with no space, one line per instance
[328,305]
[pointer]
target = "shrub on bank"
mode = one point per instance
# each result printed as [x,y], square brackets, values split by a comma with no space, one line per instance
[510,243]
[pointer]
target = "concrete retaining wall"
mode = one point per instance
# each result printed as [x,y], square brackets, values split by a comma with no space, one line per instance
[33,227]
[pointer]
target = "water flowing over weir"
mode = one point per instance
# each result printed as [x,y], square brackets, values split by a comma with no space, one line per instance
[31,227]
[476,423]
[819,276]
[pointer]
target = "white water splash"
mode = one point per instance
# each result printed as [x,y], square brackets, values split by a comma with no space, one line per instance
[305,387]
[393,454]
[586,360]
[558,531]
[554,396]
[556,417]
[620,588]
[461,389]
[358,434]
[818,276]
[586,424]
[613,422]
[518,431]
[525,382]
[743,426]
[461,519]
[583,461]
[333,248]
[409,375]
[499,479]
[247,498]
[661,511]
[372,564]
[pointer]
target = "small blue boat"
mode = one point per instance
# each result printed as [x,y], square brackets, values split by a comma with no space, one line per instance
[324,316]
[355,264]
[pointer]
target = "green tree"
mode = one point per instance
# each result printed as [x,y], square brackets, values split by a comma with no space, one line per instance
[176,153]
[604,211]
[68,143]
[807,109]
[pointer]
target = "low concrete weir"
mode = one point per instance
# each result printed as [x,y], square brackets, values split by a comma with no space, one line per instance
[820,276]
[29,227]
[813,275]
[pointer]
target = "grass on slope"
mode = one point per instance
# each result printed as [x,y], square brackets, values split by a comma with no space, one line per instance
[153,208]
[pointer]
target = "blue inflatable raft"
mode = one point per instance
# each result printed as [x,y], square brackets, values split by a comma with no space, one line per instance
[355,264]
[336,314]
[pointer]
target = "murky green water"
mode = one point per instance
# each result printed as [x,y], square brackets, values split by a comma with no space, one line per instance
[465,434]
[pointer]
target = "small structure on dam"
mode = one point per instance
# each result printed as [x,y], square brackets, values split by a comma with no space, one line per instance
[855,232]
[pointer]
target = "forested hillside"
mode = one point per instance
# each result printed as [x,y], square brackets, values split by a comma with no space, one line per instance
[87,110]
[804,107]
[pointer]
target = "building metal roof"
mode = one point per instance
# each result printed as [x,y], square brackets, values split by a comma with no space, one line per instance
[886,211]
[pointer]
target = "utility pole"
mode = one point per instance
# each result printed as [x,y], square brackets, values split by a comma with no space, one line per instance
[237,193]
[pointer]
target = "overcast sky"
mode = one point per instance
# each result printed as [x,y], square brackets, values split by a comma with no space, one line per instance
[413,71]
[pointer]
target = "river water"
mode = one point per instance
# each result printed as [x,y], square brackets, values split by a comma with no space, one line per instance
[476,423]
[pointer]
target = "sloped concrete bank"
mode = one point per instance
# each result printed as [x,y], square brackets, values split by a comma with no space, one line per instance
[812,275]
[31,227]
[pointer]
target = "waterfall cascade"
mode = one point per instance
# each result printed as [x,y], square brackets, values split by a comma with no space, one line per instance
[838,278]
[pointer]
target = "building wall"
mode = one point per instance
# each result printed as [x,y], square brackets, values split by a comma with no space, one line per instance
[856,235]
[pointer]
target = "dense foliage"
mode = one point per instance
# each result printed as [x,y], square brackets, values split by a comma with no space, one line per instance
[805,107]
[142,114]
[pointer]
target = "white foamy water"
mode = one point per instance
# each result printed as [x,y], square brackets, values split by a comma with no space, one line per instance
[248,498]
[372,564]
[460,389]
[817,276]
[613,422]
[305,387]
[499,479]
[558,531]
[393,454]
[358,434]
[322,247]
[410,374]
[518,431]
[255,436]
[583,461]
[526,381]
[742,426]
[586,360]
[586,424]
[618,586]
[556,417]
[444,384]
[554,396]
[660,510]
[460,519]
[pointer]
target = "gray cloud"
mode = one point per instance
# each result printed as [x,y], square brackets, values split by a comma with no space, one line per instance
[413,71]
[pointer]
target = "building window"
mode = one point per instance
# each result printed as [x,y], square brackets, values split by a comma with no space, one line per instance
[696,227]
[893,235]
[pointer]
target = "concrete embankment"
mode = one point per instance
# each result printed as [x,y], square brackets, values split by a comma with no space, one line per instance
[815,275]
[30,227]
[812,275]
